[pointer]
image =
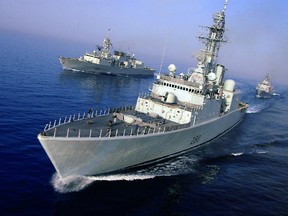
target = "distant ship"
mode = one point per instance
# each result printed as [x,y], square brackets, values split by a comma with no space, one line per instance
[102,61]
[264,88]
[180,113]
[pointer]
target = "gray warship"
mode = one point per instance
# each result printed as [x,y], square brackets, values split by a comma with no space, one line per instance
[181,113]
[264,88]
[103,61]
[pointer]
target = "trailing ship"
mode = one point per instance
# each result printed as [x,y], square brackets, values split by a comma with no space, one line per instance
[264,88]
[180,113]
[103,61]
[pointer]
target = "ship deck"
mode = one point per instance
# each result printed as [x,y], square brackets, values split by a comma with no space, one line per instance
[107,125]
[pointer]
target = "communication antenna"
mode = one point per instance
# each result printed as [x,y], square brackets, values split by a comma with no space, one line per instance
[163,54]
[225,6]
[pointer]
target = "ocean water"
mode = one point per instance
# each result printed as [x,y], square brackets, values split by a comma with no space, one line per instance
[244,172]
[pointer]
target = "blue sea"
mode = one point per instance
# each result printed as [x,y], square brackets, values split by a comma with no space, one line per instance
[244,172]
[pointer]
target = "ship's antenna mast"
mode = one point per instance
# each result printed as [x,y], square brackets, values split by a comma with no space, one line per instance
[106,46]
[163,54]
[213,40]
[225,6]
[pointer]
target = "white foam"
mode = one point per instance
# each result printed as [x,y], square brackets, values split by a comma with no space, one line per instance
[70,183]
[254,108]
[179,165]
[128,177]
[261,152]
[78,183]
[237,154]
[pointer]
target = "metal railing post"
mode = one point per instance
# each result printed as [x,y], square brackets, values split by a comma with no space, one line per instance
[67,135]
[100,133]
[79,133]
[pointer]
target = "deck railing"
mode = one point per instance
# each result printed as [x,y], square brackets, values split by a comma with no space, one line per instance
[133,130]
[90,114]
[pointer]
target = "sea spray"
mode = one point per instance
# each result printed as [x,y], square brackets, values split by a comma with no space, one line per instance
[70,183]
[176,166]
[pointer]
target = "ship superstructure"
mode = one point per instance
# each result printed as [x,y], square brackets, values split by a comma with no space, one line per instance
[264,88]
[180,113]
[103,61]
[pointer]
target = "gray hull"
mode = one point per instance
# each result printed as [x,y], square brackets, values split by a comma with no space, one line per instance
[263,94]
[88,67]
[181,113]
[94,156]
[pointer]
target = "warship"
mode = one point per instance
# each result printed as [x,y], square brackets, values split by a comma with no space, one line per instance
[180,113]
[264,88]
[103,61]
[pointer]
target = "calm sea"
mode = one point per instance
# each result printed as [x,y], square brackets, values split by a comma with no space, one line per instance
[244,172]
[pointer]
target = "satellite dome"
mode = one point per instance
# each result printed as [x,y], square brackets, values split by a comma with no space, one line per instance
[211,76]
[229,85]
[172,68]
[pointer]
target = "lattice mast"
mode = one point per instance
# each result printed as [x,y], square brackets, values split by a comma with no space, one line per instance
[213,40]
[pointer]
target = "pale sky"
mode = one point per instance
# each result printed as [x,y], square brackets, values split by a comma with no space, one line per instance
[257,29]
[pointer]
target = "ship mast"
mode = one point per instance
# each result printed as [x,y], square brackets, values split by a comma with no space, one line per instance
[213,41]
[207,61]
[105,53]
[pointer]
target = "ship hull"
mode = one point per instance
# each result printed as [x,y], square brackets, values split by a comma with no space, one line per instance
[88,67]
[95,156]
[263,94]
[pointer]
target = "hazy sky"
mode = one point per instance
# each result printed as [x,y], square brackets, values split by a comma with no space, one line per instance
[257,29]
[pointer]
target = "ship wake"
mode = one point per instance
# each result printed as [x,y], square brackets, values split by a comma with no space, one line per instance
[77,183]
[255,108]
[177,166]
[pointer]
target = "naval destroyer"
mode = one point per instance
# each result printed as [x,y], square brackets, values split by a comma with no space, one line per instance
[264,88]
[103,61]
[180,113]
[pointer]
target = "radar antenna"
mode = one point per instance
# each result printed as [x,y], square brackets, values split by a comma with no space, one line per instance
[213,40]
[207,63]
[225,6]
